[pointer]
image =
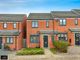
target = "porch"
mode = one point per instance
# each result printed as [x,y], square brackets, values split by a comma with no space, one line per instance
[75,36]
[8,39]
[42,39]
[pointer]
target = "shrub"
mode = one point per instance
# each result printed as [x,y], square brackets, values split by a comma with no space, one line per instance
[6,47]
[61,46]
[30,51]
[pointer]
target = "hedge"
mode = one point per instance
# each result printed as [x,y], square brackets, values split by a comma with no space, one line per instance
[30,51]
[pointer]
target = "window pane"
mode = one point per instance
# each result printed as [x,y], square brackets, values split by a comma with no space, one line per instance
[60,22]
[11,40]
[76,22]
[14,25]
[63,37]
[34,39]
[47,23]
[64,22]
[34,23]
[5,25]
[58,35]
[7,40]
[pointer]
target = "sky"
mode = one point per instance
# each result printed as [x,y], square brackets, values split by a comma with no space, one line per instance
[36,6]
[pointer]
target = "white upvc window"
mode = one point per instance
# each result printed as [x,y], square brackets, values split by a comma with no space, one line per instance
[62,22]
[76,21]
[47,23]
[5,25]
[14,24]
[62,36]
[9,40]
[34,24]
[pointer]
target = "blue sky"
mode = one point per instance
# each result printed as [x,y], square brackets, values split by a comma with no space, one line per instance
[27,6]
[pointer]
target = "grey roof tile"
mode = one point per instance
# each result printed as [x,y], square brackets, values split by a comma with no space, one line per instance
[11,17]
[39,16]
[63,14]
[77,11]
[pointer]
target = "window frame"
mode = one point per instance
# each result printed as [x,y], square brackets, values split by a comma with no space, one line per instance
[64,34]
[14,25]
[47,23]
[62,23]
[10,40]
[76,21]
[35,24]
[35,41]
[4,24]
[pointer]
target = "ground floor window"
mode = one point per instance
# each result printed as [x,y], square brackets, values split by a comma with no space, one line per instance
[9,40]
[34,38]
[62,36]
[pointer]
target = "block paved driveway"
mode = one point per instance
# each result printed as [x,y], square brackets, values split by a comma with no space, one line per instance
[48,56]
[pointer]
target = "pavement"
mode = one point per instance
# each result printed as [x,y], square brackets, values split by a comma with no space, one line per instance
[47,56]
[4,52]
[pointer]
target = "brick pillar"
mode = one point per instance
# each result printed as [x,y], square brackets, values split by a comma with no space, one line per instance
[28,41]
[50,44]
[41,40]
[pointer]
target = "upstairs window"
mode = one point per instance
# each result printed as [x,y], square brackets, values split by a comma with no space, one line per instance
[5,25]
[47,23]
[34,24]
[76,21]
[62,36]
[14,24]
[62,22]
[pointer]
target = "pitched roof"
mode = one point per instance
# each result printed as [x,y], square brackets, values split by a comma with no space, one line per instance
[74,29]
[77,11]
[11,17]
[39,16]
[64,14]
[9,32]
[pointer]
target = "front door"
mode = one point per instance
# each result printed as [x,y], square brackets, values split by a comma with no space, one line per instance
[45,41]
[77,39]
[0,42]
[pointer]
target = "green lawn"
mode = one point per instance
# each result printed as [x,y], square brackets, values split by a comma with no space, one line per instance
[30,51]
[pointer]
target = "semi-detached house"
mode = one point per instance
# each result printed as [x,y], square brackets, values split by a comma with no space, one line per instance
[12,30]
[43,28]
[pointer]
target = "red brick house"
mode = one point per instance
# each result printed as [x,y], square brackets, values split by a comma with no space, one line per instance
[62,25]
[39,29]
[12,30]
[67,25]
